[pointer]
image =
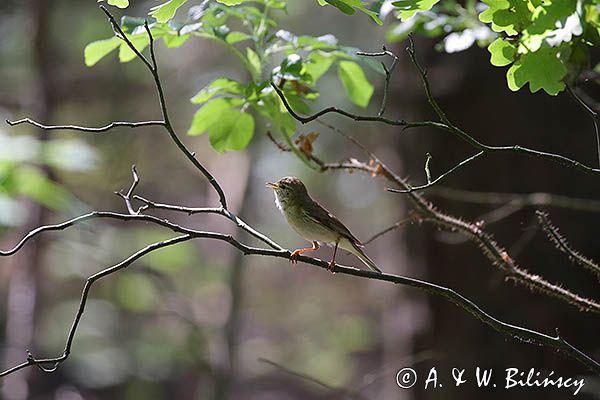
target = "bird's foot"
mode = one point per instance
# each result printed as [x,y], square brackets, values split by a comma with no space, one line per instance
[331,267]
[294,256]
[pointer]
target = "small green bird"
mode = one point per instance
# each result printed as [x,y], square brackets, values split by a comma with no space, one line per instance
[313,222]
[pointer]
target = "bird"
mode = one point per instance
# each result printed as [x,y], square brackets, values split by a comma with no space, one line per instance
[314,223]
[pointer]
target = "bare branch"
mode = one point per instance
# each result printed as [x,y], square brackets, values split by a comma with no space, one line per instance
[520,199]
[593,114]
[445,125]
[85,128]
[425,211]
[513,331]
[439,178]
[153,68]
[563,245]
[51,364]
[391,228]
[127,197]
[218,210]
[388,74]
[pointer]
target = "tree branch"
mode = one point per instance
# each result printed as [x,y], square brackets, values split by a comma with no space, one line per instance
[51,364]
[439,178]
[518,199]
[514,331]
[427,212]
[85,128]
[563,245]
[153,68]
[388,74]
[445,124]
[593,114]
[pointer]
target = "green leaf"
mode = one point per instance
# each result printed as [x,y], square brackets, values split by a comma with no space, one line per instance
[273,109]
[340,5]
[174,41]
[95,51]
[228,127]
[130,24]
[236,37]
[510,16]
[355,82]
[503,52]
[318,63]
[218,86]
[408,8]
[166,11]
[119,3]
[140,42]
[542,69]
[230,2]
[254,62]
[553,22]
[349,7]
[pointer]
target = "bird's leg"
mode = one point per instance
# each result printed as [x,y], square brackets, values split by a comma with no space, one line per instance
[297,252]
[332,262]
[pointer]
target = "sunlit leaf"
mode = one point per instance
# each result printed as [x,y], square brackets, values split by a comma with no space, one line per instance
[228,127]
[408,8]
[502,51]
[166,11]
[354,80]
[140,42]
[95,51]
[218,86]
[542,69]
[119,3]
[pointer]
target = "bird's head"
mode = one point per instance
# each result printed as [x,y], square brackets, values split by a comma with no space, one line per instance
[288,188]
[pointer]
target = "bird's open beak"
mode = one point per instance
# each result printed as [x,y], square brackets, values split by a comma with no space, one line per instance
[272,185]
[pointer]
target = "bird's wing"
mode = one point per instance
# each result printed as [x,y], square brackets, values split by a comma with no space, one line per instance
[318,213]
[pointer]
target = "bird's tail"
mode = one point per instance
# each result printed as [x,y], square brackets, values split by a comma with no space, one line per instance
[358,252]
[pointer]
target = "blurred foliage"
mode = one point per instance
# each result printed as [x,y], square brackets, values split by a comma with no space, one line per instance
[20,176]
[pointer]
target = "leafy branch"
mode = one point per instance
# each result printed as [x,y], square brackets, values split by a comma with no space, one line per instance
[444,124]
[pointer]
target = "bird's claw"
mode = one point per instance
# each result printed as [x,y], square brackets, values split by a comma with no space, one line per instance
[331,267]
[294,256]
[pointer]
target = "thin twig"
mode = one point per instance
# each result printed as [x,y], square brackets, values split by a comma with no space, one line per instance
[520,199]
[563,245]
[210,210]
[153,68]
[389,229]
[129,195]
[439,178]
[427,212]
[445,125]
[85,128]
[593,114]
[388,74]
[51,364]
